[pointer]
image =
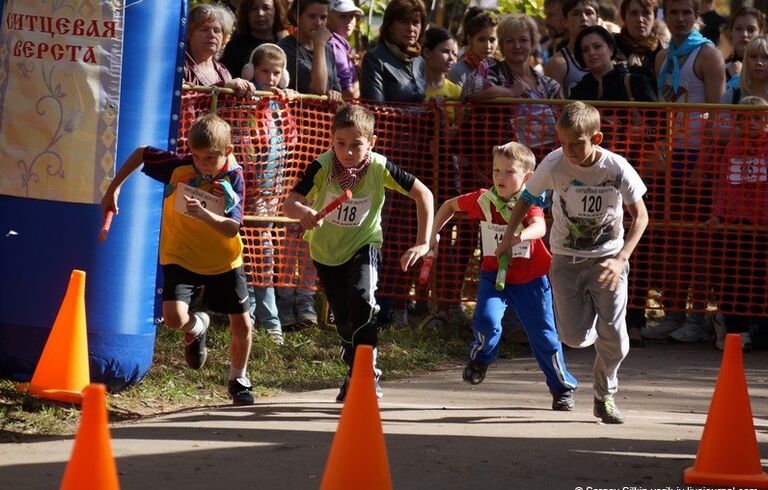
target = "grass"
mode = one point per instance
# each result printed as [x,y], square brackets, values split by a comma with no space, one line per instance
[309,360]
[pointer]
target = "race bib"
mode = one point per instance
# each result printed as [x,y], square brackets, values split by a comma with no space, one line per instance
[214,204]
[492,234]
[350,214]
[589,202]
[747,171]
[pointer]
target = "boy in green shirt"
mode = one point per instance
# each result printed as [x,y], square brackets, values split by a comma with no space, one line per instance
[345,245]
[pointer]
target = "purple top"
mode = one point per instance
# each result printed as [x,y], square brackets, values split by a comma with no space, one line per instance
[344,66]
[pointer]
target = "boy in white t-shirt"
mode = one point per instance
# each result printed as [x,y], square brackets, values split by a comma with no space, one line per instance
[591,256]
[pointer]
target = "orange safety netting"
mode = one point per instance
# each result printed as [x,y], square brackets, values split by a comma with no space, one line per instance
[706,170]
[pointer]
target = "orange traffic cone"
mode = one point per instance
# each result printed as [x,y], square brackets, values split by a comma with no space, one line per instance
[358,457]
[91,464]
[728,454]
[62,371]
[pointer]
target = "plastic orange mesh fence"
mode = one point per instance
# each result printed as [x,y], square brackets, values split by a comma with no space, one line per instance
[706,172]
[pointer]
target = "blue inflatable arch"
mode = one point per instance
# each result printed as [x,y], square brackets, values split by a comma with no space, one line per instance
[53,238]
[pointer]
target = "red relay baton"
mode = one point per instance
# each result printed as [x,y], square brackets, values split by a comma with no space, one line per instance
[333,205]
[105,225]
[426,268]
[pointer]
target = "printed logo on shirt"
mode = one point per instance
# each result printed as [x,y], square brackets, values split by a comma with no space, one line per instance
[492,234]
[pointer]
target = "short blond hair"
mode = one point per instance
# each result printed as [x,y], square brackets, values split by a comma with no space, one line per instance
[753,100]
[518,21]
[268,52]
[354,116]
[582,118]
[210,132]
[518,154]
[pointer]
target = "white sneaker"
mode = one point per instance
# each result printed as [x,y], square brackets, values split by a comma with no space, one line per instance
[694,329]
[663,328]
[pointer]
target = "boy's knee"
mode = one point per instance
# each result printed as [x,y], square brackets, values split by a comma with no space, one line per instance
[578,340]
[173,321]
[241,326]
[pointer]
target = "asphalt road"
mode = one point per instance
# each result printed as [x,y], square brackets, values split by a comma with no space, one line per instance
[440,433]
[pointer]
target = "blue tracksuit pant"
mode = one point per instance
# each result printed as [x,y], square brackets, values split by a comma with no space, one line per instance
[533,303]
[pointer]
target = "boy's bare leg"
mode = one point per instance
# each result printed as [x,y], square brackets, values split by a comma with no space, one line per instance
[176,315]
[242,335]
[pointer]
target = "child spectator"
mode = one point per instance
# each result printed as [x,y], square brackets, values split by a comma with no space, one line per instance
[527,287]
[479,31]
[591,256]
[345,245]
[266,69]
[200,242]
[439,53]
[741,200]
[342,19]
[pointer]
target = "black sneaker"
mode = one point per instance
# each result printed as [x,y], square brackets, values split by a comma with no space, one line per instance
[195,351]
[241,391]
[343,390]
[474,372]
[563,402]
[607,411]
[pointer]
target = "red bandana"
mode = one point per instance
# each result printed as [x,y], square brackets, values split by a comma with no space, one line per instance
[348,177]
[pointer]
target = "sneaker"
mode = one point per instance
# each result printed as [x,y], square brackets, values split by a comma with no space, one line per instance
[343,390]
[195,351]
[563,402]
[474,373]
[277,337]
[746,342]
[607,411]
[377,386]
[694,329]
[305,312]
[663,328]
[240,390]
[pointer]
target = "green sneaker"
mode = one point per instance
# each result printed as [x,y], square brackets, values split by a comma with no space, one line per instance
[607,411]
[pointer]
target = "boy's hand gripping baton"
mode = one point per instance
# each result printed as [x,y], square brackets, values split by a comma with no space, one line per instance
[501,275]
[333,205]
[105,225]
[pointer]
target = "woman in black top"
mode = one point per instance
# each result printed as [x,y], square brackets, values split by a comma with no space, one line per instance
[258,22]
[639,39]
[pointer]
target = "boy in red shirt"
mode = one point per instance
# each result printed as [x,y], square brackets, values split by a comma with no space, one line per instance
[527,287]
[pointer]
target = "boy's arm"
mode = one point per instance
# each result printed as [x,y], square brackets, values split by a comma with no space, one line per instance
[295,206]
[614,267]
[536,229]
[443,216]
[425,209]
[519,212]
[134,161]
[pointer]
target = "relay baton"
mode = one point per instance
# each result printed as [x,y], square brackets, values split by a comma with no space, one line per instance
[333,205]
[426,268]
[105,225]
[501,275]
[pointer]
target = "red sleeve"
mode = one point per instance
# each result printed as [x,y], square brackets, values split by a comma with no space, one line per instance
[468,204]
[533,212]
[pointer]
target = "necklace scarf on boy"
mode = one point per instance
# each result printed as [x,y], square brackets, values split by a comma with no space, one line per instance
[349,177]
[671,64]
[503,207]
[231,199]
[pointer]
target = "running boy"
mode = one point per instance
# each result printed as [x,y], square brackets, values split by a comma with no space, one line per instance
[345,245]
[591,256]
[527,287]
[200,242]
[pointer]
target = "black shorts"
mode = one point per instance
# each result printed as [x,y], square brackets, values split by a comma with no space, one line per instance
[223,293]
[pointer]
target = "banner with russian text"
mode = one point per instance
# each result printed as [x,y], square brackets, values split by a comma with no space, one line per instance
[60,67]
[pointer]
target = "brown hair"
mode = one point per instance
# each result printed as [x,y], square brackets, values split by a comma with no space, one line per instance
[279,25]
[696,5]
[582,118]
[400,9]
[475,21]
[746,11]
[210,132]
[354,116]
[299,6]
[518,153]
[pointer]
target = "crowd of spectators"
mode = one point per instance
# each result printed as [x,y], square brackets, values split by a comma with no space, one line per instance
[649,52]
